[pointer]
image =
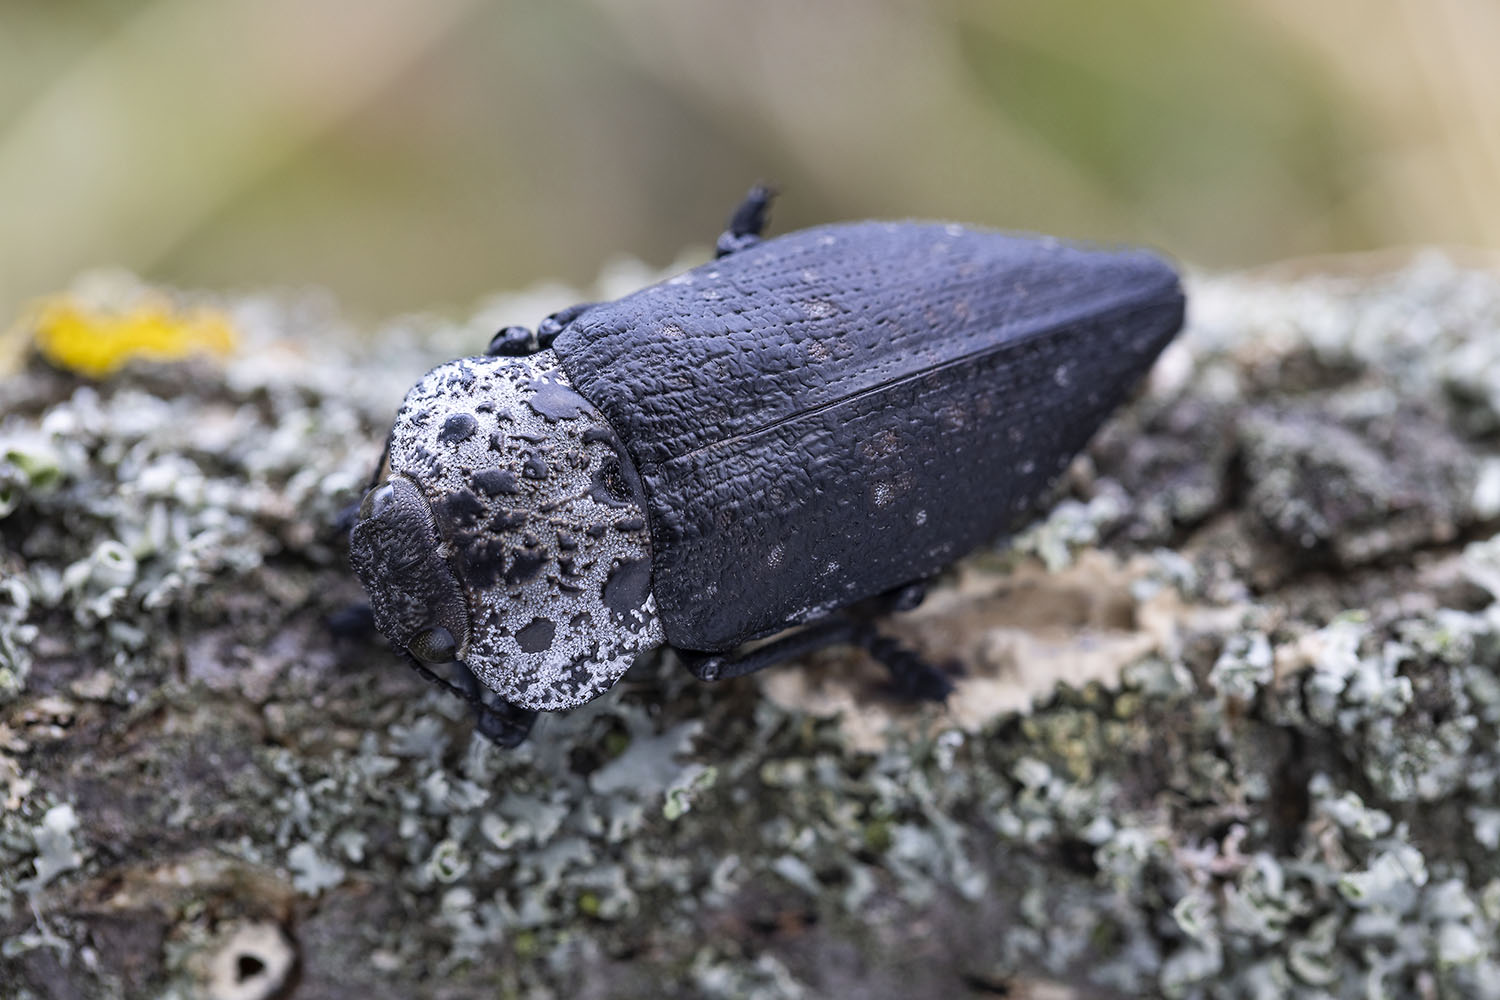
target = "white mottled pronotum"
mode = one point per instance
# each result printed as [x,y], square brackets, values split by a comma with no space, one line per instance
[537,512]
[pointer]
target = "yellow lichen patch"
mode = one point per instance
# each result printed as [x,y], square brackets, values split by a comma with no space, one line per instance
[97,339]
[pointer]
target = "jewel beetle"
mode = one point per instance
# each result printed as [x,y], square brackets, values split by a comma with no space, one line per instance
[784,442]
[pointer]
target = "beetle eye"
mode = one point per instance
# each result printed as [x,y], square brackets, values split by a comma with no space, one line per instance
[376,501]
[435,645]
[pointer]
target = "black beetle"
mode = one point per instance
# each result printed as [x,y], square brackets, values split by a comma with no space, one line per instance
[794,436]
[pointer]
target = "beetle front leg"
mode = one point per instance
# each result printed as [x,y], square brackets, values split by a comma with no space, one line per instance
[498,721]
[505,727]
[748,222]
[521,341]
[512,342]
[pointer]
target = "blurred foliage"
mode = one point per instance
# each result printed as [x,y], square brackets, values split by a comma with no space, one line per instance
[1187,113]
[420,153]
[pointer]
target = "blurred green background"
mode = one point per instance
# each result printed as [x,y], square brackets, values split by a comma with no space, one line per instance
[415,154]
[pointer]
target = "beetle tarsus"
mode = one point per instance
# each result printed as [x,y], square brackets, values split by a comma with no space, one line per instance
[748,223]
[912,677]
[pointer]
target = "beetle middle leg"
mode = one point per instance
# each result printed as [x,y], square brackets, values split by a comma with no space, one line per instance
[912,677]
[906,597]
[723,666]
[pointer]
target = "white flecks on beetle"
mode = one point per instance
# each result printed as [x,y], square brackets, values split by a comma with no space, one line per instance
[547,540]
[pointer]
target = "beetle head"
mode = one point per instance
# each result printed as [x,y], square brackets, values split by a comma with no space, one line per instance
[415,597]
[511,534]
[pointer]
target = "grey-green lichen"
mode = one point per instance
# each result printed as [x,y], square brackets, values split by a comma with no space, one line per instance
[1230,726]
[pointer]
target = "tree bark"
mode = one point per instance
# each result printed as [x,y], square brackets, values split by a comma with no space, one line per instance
[1227,725]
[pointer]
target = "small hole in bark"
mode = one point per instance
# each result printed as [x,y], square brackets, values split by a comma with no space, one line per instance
[248,966]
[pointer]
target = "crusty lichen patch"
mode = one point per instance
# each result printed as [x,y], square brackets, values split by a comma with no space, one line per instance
[1228,726]
[1013,634]
[249,961]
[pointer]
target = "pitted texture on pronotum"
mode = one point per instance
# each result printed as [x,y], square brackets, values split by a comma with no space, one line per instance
[542,519]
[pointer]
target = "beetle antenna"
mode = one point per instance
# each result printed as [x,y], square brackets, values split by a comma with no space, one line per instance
[385,453]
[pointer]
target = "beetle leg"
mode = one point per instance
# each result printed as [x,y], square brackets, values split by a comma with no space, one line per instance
[500,722]
[912,678]
[904,598]
[513,342]
[748,221]
[723,666]
[503,723]
[520,341]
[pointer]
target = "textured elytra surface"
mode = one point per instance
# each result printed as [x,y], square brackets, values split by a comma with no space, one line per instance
[540,519]
[844,410]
